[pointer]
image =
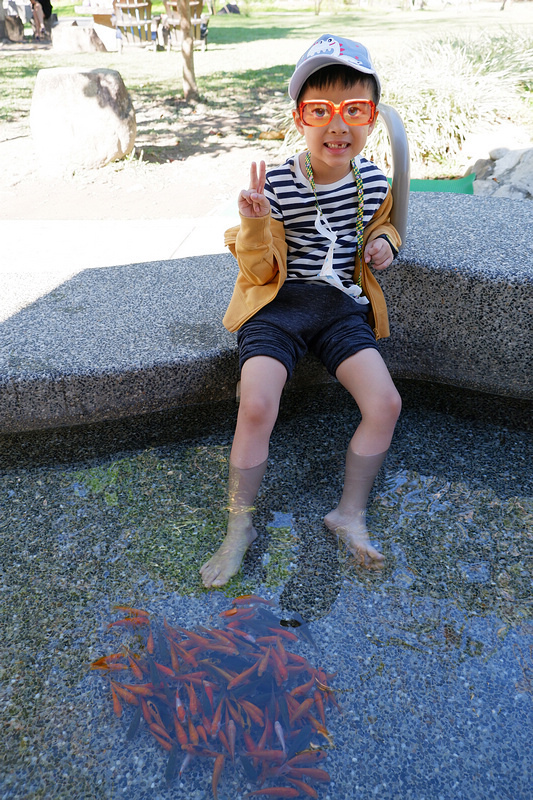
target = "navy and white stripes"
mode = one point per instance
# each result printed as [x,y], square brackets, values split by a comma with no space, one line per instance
[292,201]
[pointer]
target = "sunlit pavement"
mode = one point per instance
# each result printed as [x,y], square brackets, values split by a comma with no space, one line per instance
[39,255]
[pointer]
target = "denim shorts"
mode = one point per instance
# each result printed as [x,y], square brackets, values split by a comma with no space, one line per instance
[307,317]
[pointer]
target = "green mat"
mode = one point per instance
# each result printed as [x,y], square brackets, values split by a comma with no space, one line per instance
[458,185]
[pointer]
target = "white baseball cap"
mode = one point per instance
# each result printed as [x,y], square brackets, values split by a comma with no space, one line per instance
[329,50]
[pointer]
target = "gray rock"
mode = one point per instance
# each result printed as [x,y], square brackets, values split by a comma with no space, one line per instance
[485,188]
[522,177]
[506,190]
[498,152]
[508,162]
[14,29]
[75,39]
[81,118]
[507,173]
[483,169]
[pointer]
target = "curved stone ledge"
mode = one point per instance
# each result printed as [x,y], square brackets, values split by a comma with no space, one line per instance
[121,341]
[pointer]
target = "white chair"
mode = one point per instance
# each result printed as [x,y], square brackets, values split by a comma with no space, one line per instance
[134,23]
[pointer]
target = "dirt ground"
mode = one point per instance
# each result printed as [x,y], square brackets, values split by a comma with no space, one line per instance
[175,181]
[187,163]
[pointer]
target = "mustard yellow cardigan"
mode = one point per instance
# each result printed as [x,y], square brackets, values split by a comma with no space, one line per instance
[261,251]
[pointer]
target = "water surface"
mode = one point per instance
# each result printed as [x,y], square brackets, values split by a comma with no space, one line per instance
[434,654]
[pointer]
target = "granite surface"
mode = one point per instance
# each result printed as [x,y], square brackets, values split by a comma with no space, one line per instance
[432,655]
[112,342]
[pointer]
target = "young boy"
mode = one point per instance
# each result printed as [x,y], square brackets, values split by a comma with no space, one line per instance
[309,231]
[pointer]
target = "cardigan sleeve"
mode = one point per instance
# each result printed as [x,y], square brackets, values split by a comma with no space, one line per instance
[261,252]
[253,245]
[380,225]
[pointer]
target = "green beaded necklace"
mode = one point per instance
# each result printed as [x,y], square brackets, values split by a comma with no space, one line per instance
[360,206]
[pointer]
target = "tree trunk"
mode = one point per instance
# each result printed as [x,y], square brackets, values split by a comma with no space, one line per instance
[190,89]
[2,23]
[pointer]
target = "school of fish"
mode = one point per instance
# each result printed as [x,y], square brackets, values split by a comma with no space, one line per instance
[235,693]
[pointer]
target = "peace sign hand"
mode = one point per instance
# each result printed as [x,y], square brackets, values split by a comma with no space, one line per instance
[252,201]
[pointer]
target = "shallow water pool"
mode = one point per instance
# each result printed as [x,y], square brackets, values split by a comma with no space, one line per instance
[434,655]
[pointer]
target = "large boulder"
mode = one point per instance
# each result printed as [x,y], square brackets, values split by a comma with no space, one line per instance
[81,118]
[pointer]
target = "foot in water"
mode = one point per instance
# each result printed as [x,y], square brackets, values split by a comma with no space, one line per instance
[225,563]
[353,532]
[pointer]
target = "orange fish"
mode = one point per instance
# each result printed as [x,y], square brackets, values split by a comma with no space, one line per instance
[165,743]
[232,735]
[202,733]
[304,787]
[135,612]
[124,693]
[301,710]
[193,733]
[108,662]
[150,645]
[160,730]
[117,708]
[180,732]
[174,660]
[215,725]
[306,757]
[217,771]
[243,677]
[283,632]
[135,668]
[165,670]
[144,689]
[264,662]
[244,599]
[224,741]
[320,705]
[193,700]
[281,650]
[309,772]
[253,711]
[190,659]
[146,711]
[304,688]
[279,665]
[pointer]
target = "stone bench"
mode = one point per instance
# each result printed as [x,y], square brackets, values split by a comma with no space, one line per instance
[120,341]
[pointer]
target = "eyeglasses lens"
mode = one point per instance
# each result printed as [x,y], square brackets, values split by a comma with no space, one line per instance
[353,112]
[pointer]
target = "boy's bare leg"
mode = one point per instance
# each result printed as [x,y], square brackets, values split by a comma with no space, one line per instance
[367,379]
[243,485]
[262,381]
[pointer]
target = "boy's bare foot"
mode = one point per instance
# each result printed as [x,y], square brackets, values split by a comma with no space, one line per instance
[225,563]
[353,532]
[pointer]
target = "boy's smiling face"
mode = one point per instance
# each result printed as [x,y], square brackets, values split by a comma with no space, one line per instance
[334,145]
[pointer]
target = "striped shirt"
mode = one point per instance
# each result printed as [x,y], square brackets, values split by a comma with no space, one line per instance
[292,201]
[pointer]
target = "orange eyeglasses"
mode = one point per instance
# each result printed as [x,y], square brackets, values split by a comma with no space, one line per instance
[320,112]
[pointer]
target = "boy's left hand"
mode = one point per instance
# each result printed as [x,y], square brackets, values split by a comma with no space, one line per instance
[378,254]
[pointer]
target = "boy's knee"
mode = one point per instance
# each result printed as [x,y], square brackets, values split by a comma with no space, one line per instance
[259,409]
[386,408]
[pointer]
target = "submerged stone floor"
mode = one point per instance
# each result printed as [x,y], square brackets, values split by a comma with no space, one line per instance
[434,654]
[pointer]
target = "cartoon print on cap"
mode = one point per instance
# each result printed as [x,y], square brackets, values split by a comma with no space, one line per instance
[331,47]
